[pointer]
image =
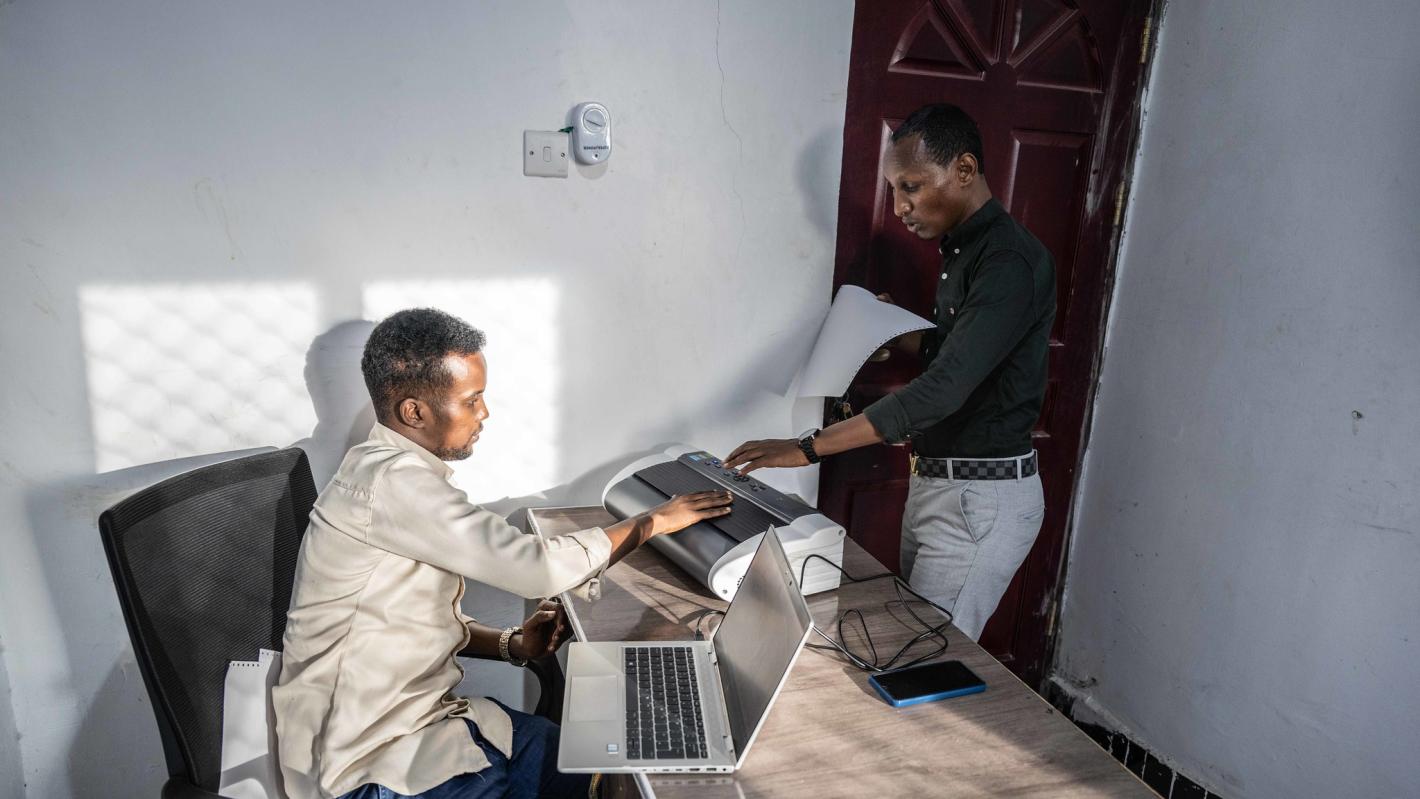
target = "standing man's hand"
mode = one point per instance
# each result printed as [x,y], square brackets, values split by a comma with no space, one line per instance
[769,452]
[907,342]
[882,353]
[779,452]
[543,633]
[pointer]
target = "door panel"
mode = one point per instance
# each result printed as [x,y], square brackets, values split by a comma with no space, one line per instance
[1053,86]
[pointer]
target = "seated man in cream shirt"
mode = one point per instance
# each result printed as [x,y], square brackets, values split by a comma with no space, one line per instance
[365,705]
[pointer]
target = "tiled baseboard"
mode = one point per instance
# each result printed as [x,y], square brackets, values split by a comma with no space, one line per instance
[1164,780]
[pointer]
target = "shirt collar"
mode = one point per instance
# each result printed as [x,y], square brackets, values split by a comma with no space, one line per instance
[973,227]
[384,434]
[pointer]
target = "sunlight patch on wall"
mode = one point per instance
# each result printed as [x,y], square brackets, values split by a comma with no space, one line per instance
[176,370]
[517,453]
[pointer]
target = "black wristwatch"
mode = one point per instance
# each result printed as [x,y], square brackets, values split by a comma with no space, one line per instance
[806,443]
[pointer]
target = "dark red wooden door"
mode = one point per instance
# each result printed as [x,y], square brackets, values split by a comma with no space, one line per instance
[1054,87]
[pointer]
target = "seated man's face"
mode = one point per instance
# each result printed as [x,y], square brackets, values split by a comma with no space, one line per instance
[458,417]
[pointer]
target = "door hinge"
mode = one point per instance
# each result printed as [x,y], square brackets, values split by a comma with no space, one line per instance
[1118,204]
[1144,40]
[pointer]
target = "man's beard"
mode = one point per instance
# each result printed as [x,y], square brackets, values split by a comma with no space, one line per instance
[454,453]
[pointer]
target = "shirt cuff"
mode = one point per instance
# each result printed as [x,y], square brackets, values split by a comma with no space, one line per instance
[598,550]
[889,418]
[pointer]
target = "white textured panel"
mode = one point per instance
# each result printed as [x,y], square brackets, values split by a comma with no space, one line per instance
[184,369]
[517,452]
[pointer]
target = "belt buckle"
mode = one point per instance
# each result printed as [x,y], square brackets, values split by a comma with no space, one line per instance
[912,463]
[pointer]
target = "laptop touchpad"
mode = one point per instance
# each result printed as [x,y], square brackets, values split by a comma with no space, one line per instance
[595,698]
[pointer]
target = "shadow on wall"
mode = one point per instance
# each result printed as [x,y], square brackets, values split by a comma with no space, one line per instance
[344,414]
[817,171]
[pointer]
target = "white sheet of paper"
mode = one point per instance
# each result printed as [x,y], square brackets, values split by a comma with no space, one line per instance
[249,768]
[857,325]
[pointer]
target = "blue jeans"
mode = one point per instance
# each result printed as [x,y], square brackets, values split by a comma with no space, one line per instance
[530,772]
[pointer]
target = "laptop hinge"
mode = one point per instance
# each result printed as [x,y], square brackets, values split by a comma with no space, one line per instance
[724,709]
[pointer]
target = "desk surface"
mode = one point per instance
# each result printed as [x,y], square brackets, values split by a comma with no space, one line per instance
[829,734]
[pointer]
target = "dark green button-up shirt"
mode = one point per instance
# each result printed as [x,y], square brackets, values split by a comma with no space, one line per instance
[984,381]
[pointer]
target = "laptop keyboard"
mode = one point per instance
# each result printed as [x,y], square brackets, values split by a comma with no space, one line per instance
[663,718]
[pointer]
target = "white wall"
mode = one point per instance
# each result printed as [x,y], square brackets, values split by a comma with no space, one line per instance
[201,202]
[11,773]
[1242,592]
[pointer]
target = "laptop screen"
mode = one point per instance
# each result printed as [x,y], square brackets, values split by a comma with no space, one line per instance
[759,638]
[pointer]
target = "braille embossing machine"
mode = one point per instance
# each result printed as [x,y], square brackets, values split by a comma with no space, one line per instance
[717,552]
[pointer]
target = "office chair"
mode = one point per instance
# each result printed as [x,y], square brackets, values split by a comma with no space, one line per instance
[203,564]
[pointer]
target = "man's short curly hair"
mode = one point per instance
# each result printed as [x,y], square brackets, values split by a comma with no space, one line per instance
[404,356]
[947,132]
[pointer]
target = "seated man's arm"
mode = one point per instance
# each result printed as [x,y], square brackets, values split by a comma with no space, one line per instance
[416,513]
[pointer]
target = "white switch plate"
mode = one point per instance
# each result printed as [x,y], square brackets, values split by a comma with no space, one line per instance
[545,153]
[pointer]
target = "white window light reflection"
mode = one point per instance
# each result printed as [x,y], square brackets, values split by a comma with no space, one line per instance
[176,370]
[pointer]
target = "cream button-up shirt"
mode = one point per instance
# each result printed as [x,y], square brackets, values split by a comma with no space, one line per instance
[368,671]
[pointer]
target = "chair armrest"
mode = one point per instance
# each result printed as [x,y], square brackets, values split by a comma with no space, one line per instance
[178,787]
[549,682]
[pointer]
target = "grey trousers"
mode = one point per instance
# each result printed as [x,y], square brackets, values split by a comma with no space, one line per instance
[962,541]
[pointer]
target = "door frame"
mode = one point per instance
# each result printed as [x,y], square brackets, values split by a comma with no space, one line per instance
[1142,21]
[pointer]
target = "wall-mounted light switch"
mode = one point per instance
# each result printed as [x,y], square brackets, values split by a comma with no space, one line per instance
[545,153]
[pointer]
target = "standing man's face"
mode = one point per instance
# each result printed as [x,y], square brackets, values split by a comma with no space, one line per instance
[929,198]
[457,419]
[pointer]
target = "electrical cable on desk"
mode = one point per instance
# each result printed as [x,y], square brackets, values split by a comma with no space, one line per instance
[705,614]
[929,631]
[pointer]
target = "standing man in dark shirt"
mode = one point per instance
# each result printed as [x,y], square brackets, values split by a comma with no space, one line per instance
[975,503]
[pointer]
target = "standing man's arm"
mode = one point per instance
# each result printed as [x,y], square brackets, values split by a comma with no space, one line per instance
[771,452]
[991,321]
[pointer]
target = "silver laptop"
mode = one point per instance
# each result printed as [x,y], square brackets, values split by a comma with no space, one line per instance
[687,706]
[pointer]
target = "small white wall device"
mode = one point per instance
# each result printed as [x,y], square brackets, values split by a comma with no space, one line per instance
[591,133]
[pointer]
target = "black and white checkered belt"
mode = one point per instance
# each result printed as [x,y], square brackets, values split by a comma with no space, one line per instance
[976,468]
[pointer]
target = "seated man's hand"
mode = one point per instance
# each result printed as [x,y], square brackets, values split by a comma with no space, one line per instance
[680,512]
[543,632]
[769,452]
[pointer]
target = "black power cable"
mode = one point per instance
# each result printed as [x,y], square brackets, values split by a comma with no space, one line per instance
[929,631]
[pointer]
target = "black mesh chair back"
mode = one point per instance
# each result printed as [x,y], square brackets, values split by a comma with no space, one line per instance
[204,563]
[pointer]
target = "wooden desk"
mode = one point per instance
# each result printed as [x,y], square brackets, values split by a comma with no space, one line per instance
[829,734]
